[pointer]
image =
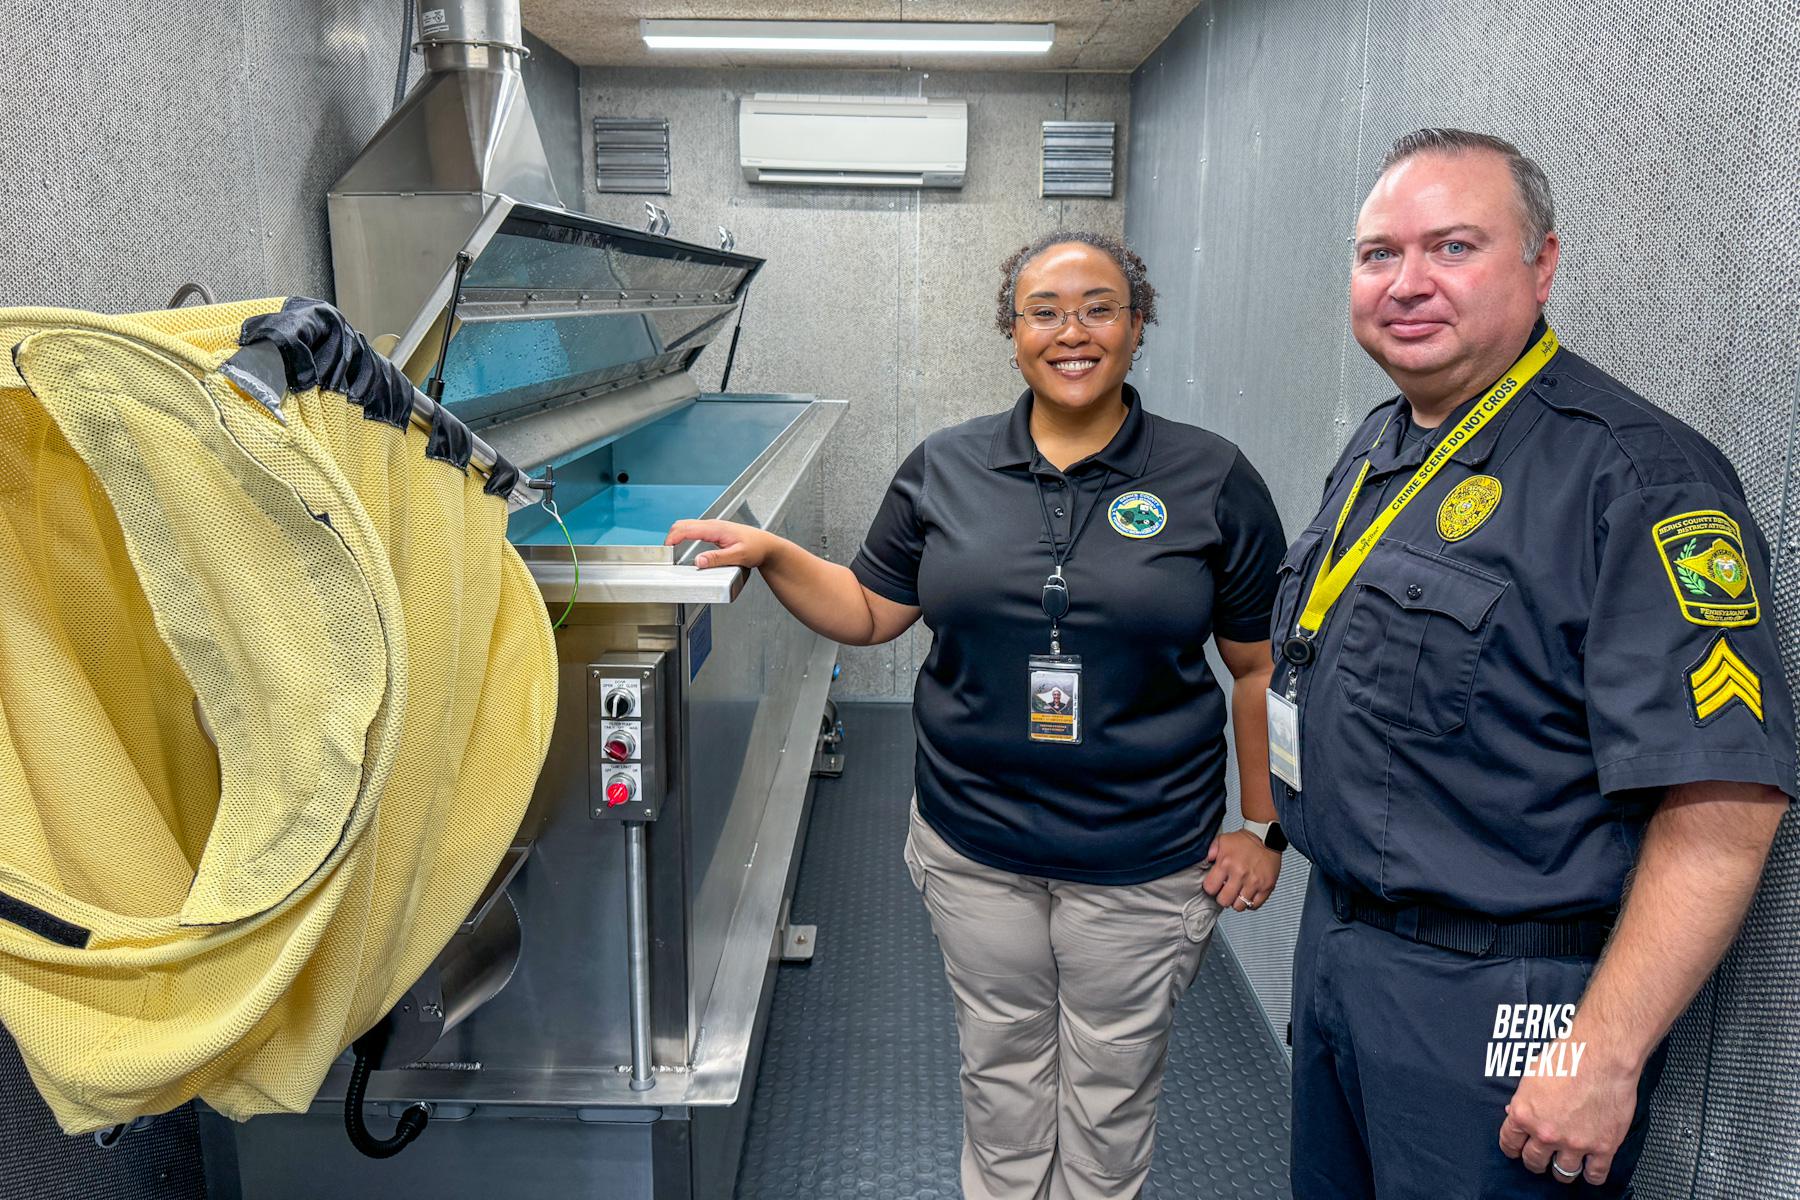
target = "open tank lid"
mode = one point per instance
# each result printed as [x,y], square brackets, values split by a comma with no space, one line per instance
[558,307]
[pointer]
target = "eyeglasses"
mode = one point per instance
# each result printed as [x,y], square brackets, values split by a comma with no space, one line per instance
[1048,316]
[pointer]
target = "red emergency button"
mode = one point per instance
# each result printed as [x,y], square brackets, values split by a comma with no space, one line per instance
[618,792]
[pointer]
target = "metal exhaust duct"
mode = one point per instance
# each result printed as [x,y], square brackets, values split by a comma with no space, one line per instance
[463,136]
[570,330]
[467,126]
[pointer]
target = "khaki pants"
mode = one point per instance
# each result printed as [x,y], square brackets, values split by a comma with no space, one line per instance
[1064,997]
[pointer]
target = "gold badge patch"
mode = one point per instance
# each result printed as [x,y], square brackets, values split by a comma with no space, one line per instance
[1720,564]
[1467,506]
[1721,677]
[1703,553]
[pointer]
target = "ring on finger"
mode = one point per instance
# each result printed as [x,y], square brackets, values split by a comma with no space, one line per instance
[1563,1172]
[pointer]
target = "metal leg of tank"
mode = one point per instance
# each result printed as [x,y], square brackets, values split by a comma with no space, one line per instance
[637,921]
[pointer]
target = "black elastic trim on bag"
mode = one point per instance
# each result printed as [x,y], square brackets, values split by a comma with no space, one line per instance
[390,406]
[51,929]
[450,441]
[502,479]
[320,349]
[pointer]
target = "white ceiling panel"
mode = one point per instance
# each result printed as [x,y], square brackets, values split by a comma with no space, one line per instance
[1091,35]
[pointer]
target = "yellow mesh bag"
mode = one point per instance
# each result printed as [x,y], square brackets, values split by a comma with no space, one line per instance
[340,612]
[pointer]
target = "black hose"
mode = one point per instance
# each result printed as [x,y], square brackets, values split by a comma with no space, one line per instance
[412,1121]
[406,37]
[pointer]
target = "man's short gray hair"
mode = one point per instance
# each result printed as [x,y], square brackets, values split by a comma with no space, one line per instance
[1533,185]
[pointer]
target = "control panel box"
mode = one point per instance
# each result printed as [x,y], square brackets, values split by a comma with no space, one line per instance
[629,733]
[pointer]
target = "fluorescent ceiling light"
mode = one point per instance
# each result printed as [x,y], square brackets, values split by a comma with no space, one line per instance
[867,37]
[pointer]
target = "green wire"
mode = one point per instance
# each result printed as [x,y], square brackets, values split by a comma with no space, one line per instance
[574,558]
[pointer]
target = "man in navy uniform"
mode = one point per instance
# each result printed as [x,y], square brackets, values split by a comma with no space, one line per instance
[1525,654]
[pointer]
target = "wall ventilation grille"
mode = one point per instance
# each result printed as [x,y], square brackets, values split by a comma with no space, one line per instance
[1078,158]
[631,154]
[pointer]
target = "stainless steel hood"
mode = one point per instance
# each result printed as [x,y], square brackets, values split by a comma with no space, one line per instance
[569,330]
[463,136]
[467,126]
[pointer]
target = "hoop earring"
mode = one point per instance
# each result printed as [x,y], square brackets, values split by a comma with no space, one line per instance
[1137,354]
[1015,362]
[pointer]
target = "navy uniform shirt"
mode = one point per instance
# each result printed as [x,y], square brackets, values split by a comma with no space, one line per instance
[961,534]
[1571,617]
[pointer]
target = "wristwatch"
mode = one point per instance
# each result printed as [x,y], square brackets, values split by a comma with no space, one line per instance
[1268,833]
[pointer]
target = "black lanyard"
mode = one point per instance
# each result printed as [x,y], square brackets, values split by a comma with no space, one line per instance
[1056,588]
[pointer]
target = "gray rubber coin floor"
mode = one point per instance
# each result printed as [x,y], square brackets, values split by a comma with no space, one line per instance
[857,1095]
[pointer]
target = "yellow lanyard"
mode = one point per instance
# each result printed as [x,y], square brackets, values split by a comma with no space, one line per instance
[1332,580]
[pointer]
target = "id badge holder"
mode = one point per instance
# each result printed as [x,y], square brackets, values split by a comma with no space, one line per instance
[1055,699]
[1284,739]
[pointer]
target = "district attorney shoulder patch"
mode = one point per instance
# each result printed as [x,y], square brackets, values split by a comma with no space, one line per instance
[1703,553]
[1138,515]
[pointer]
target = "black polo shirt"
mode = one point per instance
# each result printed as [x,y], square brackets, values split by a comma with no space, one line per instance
[961,534]
[1523,665]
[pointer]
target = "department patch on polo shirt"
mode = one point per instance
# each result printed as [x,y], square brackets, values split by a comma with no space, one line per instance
[1467,506]
[1721,678]
[1138,515]
[1703,553]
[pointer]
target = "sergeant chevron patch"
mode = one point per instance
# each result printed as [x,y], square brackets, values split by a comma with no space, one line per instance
[1721,677]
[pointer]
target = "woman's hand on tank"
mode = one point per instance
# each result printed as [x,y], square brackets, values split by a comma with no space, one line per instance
[1244,871]
[738,545]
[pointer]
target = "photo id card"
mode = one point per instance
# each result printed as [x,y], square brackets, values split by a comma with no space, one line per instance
[1284,740]
[1056,698]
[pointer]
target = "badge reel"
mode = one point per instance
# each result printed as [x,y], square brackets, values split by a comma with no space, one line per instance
[1284,714]
[1055,700]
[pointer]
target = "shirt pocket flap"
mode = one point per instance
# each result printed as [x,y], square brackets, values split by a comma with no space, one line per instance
[1298,553]
[1290,586]
[1417,579]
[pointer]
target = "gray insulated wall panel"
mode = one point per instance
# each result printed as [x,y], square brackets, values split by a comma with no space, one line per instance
[553,84]
[1672,135]
[144,145]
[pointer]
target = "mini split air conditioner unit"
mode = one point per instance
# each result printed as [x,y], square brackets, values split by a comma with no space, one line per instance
[842,141]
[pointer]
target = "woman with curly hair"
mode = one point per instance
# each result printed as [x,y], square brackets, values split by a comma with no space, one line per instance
[1072,557]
